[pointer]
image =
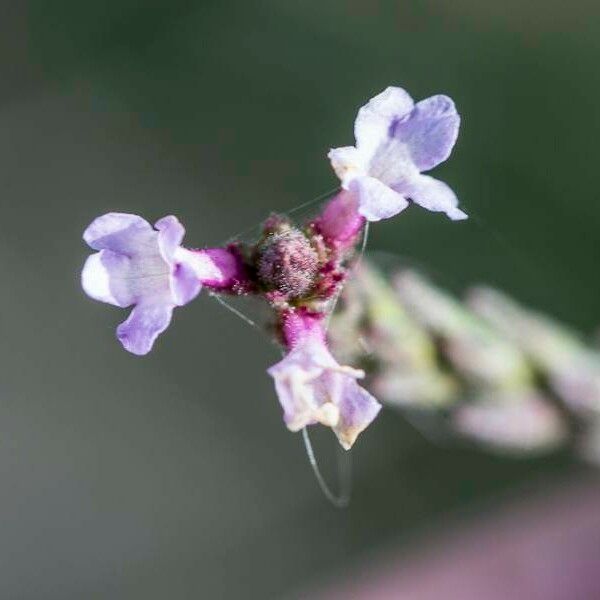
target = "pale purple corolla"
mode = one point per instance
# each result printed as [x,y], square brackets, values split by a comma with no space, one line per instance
[314,388]
[396,140]
[149,269]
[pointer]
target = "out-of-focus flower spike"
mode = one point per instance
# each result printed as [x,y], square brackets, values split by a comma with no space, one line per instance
[493,398]
[549,341]
[572,368]
[516,422]
[372,325]
[346,331]
[481,355]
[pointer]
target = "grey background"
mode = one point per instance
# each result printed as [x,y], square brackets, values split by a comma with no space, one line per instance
[172,476]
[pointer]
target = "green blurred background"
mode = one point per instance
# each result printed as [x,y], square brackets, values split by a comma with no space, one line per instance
[172,476]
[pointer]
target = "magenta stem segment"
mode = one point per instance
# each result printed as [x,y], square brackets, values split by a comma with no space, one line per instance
[340,222]
[223,270]
[301,323]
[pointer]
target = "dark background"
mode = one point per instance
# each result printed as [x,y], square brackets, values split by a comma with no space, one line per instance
[172,476]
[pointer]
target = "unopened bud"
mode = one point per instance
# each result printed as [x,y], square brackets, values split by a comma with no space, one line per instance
[288,263]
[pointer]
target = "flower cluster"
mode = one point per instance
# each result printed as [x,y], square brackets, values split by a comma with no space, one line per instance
[299,270]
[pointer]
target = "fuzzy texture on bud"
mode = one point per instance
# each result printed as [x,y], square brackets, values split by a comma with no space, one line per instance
[288,263]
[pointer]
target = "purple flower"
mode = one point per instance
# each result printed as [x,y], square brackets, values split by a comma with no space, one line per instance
[313,388]
[396,140]
[145,267]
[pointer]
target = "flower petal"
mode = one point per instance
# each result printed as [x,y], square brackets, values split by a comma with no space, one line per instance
[347,162]
[170,236]
[433,195]
[373,121]
[184,283]
[357,408]
[430,131]
[297,402]
[144,324]
[300,378]
[295,397]
[104,278]
[119,232]
[376,200]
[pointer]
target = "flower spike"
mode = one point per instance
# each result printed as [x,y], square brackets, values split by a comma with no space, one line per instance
[297,268]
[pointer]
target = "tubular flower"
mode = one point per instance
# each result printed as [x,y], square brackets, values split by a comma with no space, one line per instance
[147,268]
[313,388]
[298,268]
[396,140]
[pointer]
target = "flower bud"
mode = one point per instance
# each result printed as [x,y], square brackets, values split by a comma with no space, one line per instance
[287,263]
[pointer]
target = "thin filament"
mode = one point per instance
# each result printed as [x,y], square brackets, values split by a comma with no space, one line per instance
[292,211]
[344,465]
[344,462]
[361,253]
[365,239]
[313,201]
[235,311]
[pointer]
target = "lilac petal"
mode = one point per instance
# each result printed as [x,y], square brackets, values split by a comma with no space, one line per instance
[430,131]
[373,122]
[184,282]
[170,236]
[433,195]
[104,278]
[297,408]
[357,410]
[376,200]
[300,378]
[119,232]
[144,324]
[346,161]
[296,414]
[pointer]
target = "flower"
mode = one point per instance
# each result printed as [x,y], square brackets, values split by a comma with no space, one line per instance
[313,388]
[145,267]
[396,140]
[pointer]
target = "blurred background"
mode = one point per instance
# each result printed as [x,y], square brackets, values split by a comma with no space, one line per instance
[172,476]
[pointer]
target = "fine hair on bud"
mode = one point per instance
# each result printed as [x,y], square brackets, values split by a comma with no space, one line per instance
[287,263]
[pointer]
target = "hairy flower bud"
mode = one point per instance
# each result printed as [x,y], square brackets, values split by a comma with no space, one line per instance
[287,263]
